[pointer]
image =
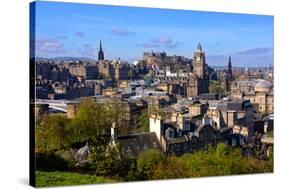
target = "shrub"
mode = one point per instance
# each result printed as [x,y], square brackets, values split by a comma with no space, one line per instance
[146,161]
[50,161]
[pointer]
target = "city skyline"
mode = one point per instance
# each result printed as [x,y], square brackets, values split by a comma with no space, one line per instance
[71,29]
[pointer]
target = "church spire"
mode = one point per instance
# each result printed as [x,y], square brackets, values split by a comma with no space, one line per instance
[100,46]
[101,54]
[199,47]
[229,68]
[229,63]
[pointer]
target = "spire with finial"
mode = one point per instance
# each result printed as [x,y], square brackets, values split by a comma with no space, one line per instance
[100,46]
[199,47]
[229,62]
[229,68]
[101,54]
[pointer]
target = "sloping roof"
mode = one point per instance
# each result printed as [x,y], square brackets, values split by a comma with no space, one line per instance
[263,84]
[177,140]
[133,145]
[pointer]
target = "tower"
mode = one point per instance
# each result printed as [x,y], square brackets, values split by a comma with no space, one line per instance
[199,64]
[100,55]
[229,68]
[229,75]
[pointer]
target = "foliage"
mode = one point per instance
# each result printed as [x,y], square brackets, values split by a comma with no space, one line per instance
[53,132]
[217,87]
[56,133]
[222,160]
[116,112]
[132,173]
[131,74]
[143,121]
[172,167]
[44,179]
[108,163]
[50,161]
[146,161]
[90,120]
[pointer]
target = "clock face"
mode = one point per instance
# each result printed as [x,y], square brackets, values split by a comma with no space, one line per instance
[198,58]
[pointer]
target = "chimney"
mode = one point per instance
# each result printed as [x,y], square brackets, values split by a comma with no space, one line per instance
[113,131]
[265,128]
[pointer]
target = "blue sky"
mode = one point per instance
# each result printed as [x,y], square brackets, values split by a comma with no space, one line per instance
[72,29]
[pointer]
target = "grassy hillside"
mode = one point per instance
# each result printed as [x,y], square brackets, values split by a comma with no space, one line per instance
[44,179]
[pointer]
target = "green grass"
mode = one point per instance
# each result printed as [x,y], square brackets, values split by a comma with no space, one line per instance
[45,179]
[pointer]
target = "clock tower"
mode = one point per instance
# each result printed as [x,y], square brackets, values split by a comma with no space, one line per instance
[199,62]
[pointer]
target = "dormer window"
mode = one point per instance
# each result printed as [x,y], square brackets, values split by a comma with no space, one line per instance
[128,149]
[171,134]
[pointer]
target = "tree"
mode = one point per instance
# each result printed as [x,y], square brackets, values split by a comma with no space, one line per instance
[213,86]
[172,167]
[107,160]
[90,121]
[143,121]
[131,74]
[53,132]
[146,161]
[116,112]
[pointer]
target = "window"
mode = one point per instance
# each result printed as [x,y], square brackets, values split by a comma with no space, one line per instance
[171,134]
[128,149]
[241,141]
[233,142]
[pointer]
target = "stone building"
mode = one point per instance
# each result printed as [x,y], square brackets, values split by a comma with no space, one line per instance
[199,62]
[121,70]
[177,138]
[51,71]
[106,69]
[114,70]
[186,83]
[237,115]
[71,110]
[162,60]
[260,95]
[131,146]
[84,70]
[200,83]
[197,86]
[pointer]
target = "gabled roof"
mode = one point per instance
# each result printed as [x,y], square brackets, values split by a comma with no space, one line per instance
[132,145]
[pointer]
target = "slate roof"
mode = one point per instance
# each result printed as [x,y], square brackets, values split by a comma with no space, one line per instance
[133,145]
[263,84]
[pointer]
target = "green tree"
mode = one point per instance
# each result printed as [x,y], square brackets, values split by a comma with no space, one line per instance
[53,132]
[108,161]
[131,74]
[117,112]
[146,161]
[90,120]
[172,167]
[143,121]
